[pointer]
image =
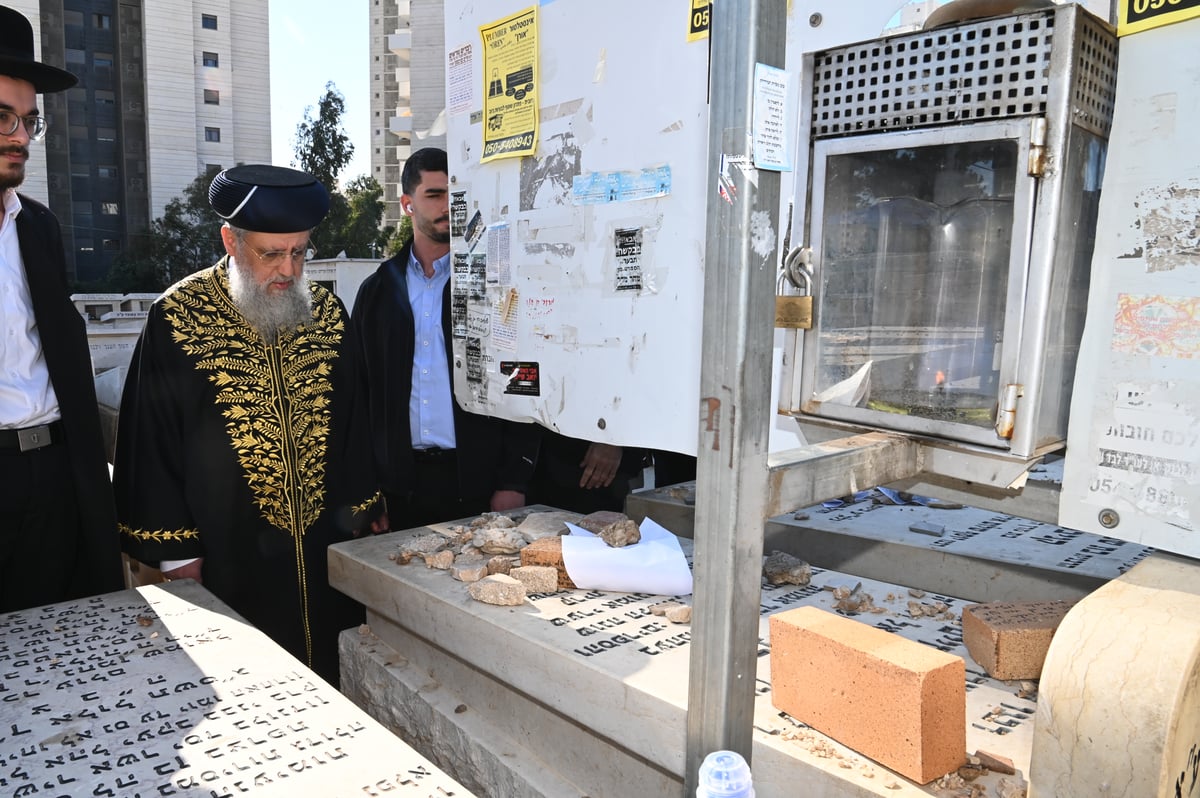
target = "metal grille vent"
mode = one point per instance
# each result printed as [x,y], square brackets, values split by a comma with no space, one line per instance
[1095,86]
[989,69]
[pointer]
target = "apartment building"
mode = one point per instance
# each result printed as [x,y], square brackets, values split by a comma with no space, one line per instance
[166,89]
[408,89]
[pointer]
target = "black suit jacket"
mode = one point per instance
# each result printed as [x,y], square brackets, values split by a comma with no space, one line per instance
[493,454]
[64,343]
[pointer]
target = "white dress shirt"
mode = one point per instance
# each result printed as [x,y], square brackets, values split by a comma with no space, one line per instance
[26,396]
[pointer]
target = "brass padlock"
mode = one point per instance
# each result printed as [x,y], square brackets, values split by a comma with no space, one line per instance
[793,312]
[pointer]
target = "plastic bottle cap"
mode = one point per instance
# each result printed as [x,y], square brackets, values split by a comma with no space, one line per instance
[724,774]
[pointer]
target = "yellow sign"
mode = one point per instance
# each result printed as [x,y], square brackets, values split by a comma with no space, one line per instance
[510,97]
[1140,15]
[700,20]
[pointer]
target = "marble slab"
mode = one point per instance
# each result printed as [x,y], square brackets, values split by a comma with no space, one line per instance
[165,691]
[606,662]
[972,553]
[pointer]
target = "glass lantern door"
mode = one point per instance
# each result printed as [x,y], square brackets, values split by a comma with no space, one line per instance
[921,241]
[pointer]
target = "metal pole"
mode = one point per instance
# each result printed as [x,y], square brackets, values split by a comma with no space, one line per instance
[739,287]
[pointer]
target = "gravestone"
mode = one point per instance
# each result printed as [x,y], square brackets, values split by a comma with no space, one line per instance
[165,691]
[590,688]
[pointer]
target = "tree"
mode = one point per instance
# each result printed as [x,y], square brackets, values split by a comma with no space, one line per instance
[323,150]
[322,147]
[402,234]
[362,236]
[185,239]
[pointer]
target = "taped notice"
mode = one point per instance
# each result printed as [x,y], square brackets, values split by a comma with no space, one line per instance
[460,277]
[479,325]
[460,95]
[772,133]
[1159,326]
[477,284]
[474,230]
[628,252]
[458,214]
[499,254]
[599,188]
[510,105]
[474,360]
[504,321]
[523,378]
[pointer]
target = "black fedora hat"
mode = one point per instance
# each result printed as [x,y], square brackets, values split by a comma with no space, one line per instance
[16,55]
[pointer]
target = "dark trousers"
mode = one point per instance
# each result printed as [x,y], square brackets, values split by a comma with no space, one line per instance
[435,496]
[39,527]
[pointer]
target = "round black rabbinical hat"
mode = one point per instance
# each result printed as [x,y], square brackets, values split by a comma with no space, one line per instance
[268,199]
[16,55]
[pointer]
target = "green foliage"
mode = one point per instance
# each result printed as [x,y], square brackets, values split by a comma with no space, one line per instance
[187,237]
[401,236]
[362,236]
[322,147]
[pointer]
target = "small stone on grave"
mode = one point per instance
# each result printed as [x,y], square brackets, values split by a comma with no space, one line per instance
[663,607]
[502,564]
[995,762]
[597,521]
[1009,789]
[616,529]
[469,569]
[544,525]
[441,560]
[497,540]
[781,568]
[498,589]
[537,578]
[853,600]
[621,534]
[680,614]
[420,545]
[492,521]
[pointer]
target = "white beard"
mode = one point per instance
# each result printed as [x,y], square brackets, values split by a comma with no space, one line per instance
[271,314]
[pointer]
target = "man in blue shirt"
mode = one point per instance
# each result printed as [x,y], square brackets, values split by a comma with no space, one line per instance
[436,462]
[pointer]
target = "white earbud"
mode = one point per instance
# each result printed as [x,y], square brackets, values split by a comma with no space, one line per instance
[408,207]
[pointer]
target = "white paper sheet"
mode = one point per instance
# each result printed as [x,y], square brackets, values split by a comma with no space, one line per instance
[655,564]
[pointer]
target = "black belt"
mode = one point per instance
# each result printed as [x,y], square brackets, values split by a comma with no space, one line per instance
[431,455]
[31,438]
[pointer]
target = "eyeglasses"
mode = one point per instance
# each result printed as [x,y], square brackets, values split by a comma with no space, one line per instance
[35,125]
[275,257]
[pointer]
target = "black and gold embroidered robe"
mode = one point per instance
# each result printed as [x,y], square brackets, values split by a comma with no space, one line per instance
[251,455]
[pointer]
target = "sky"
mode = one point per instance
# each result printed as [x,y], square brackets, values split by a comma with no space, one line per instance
[314,42]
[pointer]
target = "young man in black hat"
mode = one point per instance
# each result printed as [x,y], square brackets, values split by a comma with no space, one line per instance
[58,532]
[242,452]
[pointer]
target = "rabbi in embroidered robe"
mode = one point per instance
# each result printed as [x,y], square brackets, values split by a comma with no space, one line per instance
[242,451]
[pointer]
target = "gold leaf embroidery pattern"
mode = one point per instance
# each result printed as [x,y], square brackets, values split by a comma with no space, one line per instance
[274,397]
[160,535]
[368,504]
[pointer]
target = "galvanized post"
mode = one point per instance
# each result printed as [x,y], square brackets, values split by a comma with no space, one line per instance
[739,286]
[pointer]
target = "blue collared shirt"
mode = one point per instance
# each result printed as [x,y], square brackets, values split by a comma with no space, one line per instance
[431,406]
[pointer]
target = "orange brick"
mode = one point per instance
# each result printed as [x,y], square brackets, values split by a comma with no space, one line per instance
[900,703]
[548,551]
[1010,639]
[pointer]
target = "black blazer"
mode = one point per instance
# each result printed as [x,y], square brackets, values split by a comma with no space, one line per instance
[64,343]
[493,454]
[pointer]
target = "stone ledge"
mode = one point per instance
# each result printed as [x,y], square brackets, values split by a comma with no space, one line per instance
[472,732]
